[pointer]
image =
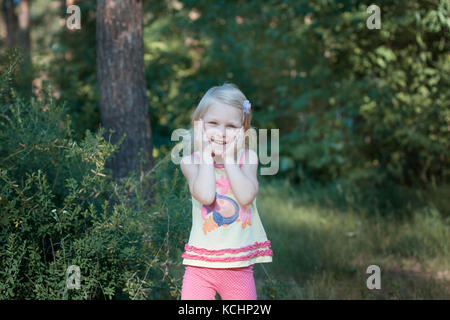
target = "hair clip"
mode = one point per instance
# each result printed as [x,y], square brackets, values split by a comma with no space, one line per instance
[247,106]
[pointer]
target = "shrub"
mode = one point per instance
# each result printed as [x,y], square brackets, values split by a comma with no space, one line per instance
[59,207]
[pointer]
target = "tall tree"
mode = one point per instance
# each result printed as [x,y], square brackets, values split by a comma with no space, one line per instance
[16,15]
[11,23]
[122,87]
[3,26]
[24,28]
[23,39]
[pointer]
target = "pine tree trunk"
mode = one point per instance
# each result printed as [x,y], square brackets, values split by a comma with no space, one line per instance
[122,88]
[24,42]
[11,22]
[24,29]
[17,20]
[3,26]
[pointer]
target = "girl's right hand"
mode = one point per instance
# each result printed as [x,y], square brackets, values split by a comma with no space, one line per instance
[202,143]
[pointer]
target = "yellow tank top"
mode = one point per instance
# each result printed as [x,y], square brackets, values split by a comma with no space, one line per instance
[226,234]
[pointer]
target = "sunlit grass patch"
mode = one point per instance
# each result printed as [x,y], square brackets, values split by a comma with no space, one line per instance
[322,249]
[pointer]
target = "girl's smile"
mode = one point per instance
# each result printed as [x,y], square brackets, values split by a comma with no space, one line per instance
[221,124]
[218,141]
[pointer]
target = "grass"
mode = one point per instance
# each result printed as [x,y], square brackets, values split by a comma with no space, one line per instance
[324,239]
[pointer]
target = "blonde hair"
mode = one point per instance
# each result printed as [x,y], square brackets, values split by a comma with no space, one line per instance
[228,94]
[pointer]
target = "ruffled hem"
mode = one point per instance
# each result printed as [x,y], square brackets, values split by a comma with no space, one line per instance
[257,249]
[256,245]
[267,252]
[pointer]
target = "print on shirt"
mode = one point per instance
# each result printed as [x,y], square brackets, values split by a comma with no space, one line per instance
[225,210]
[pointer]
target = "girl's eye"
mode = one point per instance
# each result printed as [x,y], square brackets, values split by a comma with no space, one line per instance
[231,126]
[212,122]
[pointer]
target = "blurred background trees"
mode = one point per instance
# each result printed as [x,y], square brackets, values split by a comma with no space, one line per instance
[362,112]
[351,103]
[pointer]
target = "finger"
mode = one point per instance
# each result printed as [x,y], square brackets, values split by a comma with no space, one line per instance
[242,136]
[231,146]
[197,130]
[237,138]
[201,129]
[205,138]
[202,139]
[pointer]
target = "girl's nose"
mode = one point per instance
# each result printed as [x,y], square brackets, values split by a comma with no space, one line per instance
[218,133]
[221,131]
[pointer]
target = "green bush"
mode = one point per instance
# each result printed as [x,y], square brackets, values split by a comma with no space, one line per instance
[59,207]
[369,106]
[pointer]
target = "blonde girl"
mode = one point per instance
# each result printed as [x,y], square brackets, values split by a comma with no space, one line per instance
[227,236]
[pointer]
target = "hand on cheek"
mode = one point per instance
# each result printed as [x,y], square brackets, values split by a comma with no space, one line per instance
[221,145]
[211,136]
[234,146]
[202,143]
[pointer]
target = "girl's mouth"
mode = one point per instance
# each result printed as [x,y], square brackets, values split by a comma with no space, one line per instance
[218,141]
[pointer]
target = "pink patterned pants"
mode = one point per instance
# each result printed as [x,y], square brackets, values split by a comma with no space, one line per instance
[201,283]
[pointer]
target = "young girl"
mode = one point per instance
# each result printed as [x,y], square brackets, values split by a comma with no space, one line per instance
[227,237]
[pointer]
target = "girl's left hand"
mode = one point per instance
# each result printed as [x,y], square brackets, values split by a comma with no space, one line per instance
[233,148]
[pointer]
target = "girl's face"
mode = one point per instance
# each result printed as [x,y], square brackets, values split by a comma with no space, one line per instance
[221,124]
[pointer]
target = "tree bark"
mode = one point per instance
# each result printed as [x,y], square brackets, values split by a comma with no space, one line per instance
[3,26]
[10,17]
[24,29]
[17,19]
[24,43]
[122,87]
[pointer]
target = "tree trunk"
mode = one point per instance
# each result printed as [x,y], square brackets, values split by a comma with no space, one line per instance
[3,26]
[10,17]
[23,41]
[122,88]
[17,19]
[24,29]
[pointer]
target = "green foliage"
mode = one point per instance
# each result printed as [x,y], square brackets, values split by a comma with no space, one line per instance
[72,67]
[324,240]
[60,208]
[369,106]
[364,111]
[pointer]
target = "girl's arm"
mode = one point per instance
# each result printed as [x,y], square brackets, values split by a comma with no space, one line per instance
[201,179]
[244,182]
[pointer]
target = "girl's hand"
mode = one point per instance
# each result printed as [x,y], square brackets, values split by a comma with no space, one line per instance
[234,147]
[207,153]
[202,143]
